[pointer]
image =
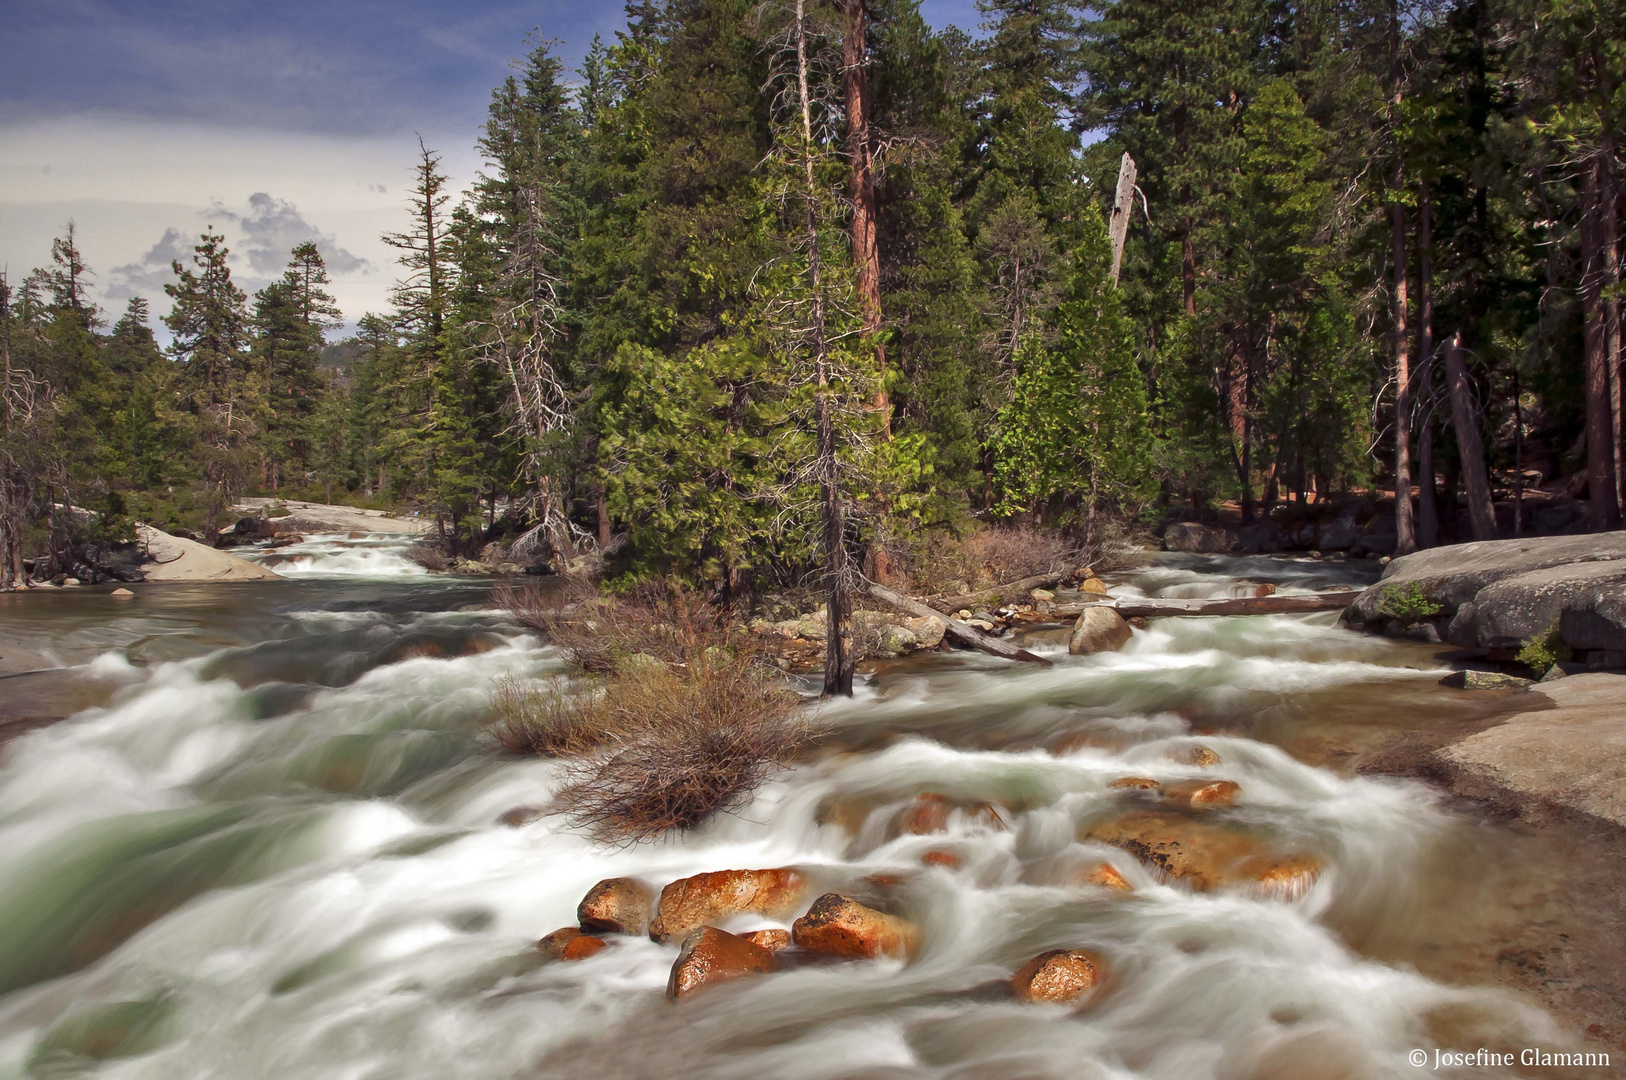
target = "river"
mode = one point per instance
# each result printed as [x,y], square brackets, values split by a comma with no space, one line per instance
[275,852]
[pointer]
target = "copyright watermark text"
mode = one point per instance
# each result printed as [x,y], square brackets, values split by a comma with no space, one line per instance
[1530,1055]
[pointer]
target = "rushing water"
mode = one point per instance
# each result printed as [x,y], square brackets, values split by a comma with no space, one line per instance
[275,853]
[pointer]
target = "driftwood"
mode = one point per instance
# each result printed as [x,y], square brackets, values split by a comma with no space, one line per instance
[954,628]
[1009,593]
[1153,607]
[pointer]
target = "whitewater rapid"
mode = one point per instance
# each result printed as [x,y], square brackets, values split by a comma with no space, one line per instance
[282,858]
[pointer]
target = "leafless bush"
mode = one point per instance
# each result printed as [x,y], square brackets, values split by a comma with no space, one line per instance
[672,715]
[995,554]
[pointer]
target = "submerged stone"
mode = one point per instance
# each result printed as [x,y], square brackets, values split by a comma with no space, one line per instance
[711,956]
[840,927]
[1060,976]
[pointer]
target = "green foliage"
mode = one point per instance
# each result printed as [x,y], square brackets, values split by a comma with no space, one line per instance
[1407,604]
[1544,650]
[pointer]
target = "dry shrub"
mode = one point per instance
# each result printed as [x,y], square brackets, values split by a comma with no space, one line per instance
[672,715]
[993,555]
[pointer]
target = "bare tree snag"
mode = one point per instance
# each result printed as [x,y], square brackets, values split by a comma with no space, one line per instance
[1122,204]
[1481,511]
[1154,607]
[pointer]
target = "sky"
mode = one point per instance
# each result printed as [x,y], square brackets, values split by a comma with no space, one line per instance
[146,121]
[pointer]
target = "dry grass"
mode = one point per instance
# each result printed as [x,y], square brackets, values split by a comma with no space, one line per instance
[992,555]
[671,715]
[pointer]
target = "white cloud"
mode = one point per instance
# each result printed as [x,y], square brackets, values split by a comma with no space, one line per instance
[142,191]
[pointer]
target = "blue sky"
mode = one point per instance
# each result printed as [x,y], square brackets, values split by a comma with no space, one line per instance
[276,122]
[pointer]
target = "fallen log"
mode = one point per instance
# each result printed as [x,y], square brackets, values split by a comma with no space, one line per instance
[954,628]
[999,595]
[1148,607]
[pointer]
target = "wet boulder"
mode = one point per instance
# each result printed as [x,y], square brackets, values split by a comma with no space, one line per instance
[840,927]
[1207,854]
[710,956]
[520,815]
[690,903]
[1196,754]
[946,859]
[1203,793]
[1094,586]
[930,813]
[569,943]
[1098,629]
[1059,977]
[616,906]
[1135,783]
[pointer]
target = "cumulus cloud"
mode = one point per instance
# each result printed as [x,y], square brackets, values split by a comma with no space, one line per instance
[148,275]
[273,227]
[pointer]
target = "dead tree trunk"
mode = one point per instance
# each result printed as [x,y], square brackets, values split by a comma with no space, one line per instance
[1122,205]
[838,654]
[1481,511]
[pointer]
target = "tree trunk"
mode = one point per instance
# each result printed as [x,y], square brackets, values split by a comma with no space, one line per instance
[866,253]
[1602,505]
[1481,511]
[1123,205]
[954,628]
[838,656]
[1428,521]
[1405,532]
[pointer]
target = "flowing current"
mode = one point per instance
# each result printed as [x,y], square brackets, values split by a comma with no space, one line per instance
[276,852]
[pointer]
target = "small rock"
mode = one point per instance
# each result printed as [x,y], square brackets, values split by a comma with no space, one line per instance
[569,944]
[837,926]
[519,815]
[1097,630]
[928,631]
[938,857]
[1141,622]
[690,903]
[1207,855]
[1267,589]
[1093,585]
[1042,596]
[1484,680]
[963,614]
[1135,783]
[71,583]
[1058,977]
[711,956]
[1200,756]
[1200,793]
[121,592]
[929,813]
[1106,875]
[772,940]
[616,906]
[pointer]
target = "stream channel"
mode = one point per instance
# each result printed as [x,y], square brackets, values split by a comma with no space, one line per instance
[275,851]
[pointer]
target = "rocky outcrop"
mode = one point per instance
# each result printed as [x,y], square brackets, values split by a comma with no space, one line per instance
[1190,536]
[690,903]
[1207,855]
[839,927]
[170,558]
[1501,593]
[1059,977]
[616,906]
[710,956]
[1098,630]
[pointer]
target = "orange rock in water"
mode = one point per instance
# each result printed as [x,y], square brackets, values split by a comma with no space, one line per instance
[1207,855]
[1200,756]
[772,940]
[1201,793]
[929,813]
[938,857]
[838,926]
[1093,585]
[1107,876]
[569,944]
[710,956]
[1136,783]
[690,903]
[616,906]
[1266,589]
[1059,976]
